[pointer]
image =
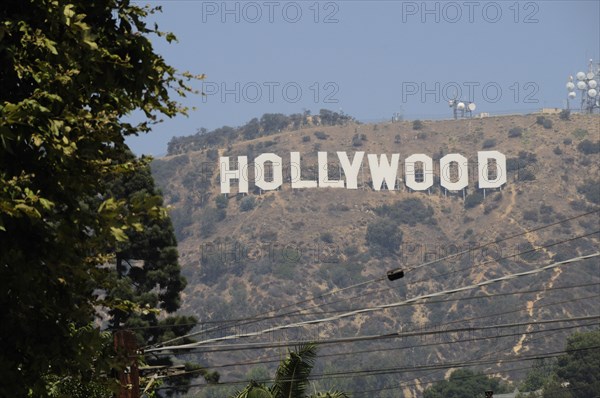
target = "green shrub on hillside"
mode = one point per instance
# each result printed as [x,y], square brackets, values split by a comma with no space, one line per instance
[515,132]
[591,190]
[588,147]
[210,217]
[489,143]
[247,203]
[357,141]
[384,234]
[321,135]
[327,237]
[409,211]
[474,199]
[221,202]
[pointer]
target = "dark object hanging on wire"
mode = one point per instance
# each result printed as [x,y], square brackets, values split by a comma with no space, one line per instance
[395,274]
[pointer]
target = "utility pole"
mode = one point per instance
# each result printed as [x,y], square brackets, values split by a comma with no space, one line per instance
[129,378]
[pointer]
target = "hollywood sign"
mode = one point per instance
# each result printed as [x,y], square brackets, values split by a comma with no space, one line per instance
[418,171]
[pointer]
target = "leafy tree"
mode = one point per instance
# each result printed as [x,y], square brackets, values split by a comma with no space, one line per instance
[251,130]
[274,122]
[538,376]
[580,366]
[147,277]
[553,389]
[464,383]
[158,277]
[291,378]
[70,72]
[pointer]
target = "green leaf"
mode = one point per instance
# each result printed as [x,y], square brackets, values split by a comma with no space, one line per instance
[46,204]
[119,234]
[138,226]
[91,44]
[68,11]
[50,45]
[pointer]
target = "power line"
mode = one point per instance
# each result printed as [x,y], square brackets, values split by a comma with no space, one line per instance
[405,384]
[461,364]
[488,354]
[272,359]
[528,333]
[300,313]
[379,349]
[348,309]
[260,317]
[378,307]
[504,239]
[510,345]
[444,274]
[375,372]
[471,339]
[484,316]
[394,335]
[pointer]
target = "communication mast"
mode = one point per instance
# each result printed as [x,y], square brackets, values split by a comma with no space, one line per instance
[587,84]
[462,108]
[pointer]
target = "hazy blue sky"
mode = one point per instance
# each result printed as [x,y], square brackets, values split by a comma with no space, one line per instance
[371,58]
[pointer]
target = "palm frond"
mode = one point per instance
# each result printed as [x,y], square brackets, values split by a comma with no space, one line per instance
[291,380]
[253,390]
[330,394]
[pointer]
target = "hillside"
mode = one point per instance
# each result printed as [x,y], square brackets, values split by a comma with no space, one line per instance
[246,255]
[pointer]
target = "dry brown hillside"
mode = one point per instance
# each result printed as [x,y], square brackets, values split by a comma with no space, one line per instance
[248,257]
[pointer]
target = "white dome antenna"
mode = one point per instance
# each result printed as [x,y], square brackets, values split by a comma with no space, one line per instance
[587,83]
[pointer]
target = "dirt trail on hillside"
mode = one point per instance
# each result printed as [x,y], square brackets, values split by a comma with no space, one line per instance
[532,238]
[530,307]
[511,205]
